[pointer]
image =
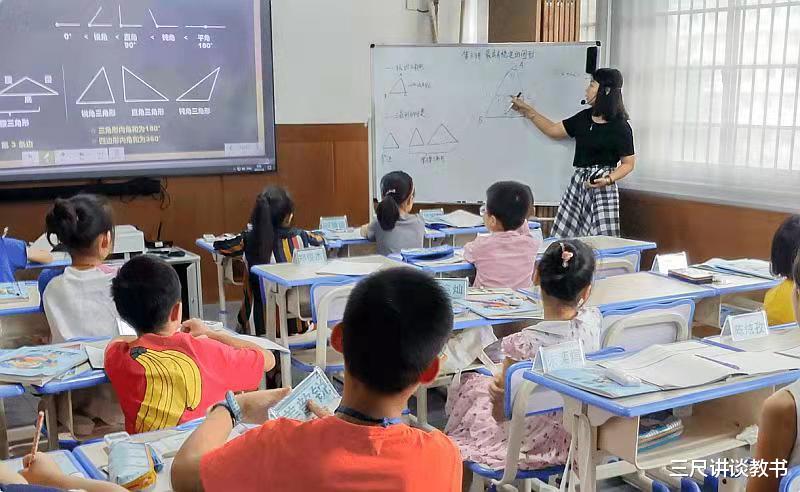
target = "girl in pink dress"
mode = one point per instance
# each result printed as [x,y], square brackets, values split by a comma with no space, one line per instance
[476,407]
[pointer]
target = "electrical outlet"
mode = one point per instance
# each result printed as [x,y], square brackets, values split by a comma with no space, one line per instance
[417,5]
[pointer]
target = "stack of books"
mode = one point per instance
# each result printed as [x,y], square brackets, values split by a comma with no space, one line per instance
[37,366]
[658,429]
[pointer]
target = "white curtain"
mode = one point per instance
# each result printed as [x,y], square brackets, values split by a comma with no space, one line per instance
[712,90]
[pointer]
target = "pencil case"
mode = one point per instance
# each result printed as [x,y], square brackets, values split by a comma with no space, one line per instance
[436,253]
[131,465]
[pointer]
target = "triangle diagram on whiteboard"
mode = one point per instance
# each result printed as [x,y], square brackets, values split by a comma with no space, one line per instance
[442,136]
[27,87]
[203,90]
[399,88]
[510,85]
[98,91]
[390,143]
[416,139]
[136,90]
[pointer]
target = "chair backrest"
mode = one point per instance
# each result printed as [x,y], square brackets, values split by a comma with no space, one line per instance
[320,290]
[649,324]
[611,264]
[328,303]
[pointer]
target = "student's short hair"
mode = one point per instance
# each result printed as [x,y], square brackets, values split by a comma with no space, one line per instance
[785,246]
[145,290]
[395,324]
[510,202]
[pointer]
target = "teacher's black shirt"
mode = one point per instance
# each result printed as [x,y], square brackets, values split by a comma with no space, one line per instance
[599,144]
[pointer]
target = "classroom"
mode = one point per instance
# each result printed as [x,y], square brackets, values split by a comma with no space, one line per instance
[400,245]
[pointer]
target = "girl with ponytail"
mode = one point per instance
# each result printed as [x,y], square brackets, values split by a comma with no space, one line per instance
[395,228]
[77,300]
[565,275]
[270,238]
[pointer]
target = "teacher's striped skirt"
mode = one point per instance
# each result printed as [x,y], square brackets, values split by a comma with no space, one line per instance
[588,211]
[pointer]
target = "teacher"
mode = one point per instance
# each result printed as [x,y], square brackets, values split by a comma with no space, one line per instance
[603,156]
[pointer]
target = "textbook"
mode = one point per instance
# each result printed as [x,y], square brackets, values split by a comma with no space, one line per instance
[748,267]
[39,365]
[658,429]
[594,380]
[502,306]
[12,292]
[458,219]
[316,387]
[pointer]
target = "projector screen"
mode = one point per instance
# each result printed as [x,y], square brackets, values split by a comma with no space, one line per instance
[95,88]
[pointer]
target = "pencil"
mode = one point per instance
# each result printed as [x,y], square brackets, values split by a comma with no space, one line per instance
[38,432]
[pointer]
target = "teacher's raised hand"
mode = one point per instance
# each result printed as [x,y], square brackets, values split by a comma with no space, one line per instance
[519,105]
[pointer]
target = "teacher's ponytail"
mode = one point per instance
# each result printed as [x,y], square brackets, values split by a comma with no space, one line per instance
[396,188]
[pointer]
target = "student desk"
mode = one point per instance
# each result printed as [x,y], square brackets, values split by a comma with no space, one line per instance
[635,289]
[94,456]
[604,426]
[65,460]
[431,235]
[60,260]
[458,232]
[49,391]
[29,306]
[603,245]
[276,280]
[735,290]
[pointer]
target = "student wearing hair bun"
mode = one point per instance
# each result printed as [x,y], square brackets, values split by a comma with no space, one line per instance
[395,228]
[77,300]
[475,422]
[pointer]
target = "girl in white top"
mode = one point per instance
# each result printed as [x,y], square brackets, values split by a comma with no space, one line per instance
[779,427]
[78,301]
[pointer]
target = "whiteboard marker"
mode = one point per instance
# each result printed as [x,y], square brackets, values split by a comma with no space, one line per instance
[512,104]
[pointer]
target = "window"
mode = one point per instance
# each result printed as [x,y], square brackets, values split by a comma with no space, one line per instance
[588,27]
[712,88]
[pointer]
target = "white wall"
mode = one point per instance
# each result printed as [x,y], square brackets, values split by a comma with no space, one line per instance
[321,54]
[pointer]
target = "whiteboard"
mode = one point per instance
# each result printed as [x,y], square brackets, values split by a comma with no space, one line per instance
[441,114]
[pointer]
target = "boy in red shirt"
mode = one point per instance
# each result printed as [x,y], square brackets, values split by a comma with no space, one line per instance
[172,373]
[395,324]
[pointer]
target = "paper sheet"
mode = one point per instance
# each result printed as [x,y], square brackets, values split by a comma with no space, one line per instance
[263,343]
[753,363]
[349,268]
[97,353]
[461,218]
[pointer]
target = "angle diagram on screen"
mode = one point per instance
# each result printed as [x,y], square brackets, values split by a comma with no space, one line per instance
[390,143]
[136,90]
[27,87]
[203,90]
[159,26]
[98,91]
[92,22]
[122,25]
[511,85]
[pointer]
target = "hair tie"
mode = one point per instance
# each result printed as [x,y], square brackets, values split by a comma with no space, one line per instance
[565,256]
[389,192]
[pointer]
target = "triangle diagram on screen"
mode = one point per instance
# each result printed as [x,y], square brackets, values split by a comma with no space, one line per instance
[399,87]
[136,90]
[390,143]
[27,87]
[442,136]
[416,139]
[98,91]
[203,90]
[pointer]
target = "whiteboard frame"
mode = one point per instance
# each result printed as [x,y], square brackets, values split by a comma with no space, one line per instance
[374,189]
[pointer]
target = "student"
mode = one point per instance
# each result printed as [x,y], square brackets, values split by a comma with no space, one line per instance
[785,246]
[475,423]
[77,300]
[779,426]
[395,228]
[506,257]
[270,238]
[42,474]
[394,326]
[15,255]
[172,373]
